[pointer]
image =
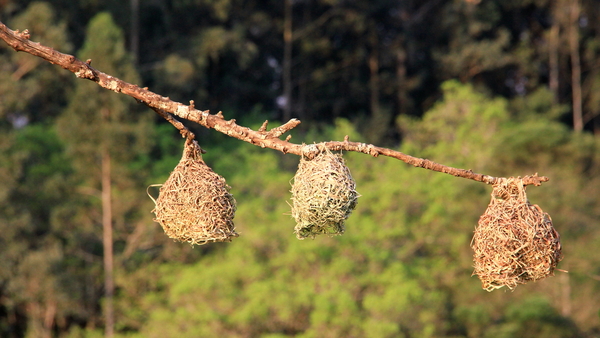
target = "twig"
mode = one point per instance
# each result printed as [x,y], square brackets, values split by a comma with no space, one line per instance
[261,137]
[183,130]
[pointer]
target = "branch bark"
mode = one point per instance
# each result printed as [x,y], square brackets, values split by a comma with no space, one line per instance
[19,41]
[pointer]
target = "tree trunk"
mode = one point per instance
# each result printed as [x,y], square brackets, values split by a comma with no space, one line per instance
[574,12]
[49,315]
[107,244]
[402,95]
[134,38]
[374,83]
[566,308]
[553,43]
[287,60]
[379,118]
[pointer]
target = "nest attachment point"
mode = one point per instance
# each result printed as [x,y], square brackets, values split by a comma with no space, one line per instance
[514,241]
[194,204]
[323,195]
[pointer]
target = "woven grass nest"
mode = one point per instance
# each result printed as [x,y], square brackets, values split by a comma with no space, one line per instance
[194,204]
[514,241]
[323,195]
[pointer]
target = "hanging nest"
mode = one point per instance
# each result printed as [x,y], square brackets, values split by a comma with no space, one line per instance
[323,195]
[514,241]
[194,204]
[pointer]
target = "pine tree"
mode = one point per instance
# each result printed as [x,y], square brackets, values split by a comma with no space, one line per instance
[102,136]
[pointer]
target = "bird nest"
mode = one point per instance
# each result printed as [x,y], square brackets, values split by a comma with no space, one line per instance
[323,195]
[194,204]
[514,241]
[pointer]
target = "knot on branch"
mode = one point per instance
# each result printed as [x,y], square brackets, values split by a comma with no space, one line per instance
[24,34]
[84,70]
[311,151]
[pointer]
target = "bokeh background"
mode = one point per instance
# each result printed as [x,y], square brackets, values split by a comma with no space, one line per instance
[504,88]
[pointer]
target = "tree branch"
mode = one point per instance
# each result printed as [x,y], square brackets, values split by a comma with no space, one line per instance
[164,106]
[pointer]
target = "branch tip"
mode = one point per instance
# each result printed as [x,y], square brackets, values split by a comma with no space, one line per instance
[264,126]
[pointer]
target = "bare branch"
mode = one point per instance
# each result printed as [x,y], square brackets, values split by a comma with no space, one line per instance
[261,137]
[183,130]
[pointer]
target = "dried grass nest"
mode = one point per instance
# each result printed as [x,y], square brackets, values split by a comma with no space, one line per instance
[194,204]
[323,195]
[514,241]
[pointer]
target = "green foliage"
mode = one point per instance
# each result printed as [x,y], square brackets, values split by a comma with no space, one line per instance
[37,177]
[95,118]
[461,130]
[31,89]
[216,41]
[44,170]
[228,54]
[105,40]
[53,252]
[402,267]
[168,148]
[473,48]
[533,317]
[537,105]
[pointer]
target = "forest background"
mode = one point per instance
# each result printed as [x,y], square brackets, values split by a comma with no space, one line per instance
[504,88]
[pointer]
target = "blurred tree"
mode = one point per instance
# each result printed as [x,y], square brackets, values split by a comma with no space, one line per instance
[33,90]
[399,271]
[103,137]
[36,175]
[533,317]
[477,42]
[32,168]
